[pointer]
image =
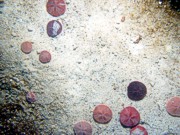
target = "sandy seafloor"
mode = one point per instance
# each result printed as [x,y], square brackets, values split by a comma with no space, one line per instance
[93,61]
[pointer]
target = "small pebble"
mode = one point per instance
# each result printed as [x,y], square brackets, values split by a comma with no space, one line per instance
[30,29]
[14,34]
[137,39]
[123,18]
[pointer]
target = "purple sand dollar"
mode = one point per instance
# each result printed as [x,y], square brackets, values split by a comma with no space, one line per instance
[54,28]
[136,90]
[83,128]
[31,97]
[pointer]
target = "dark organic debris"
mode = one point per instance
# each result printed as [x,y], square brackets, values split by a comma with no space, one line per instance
[17,117]
[12,122]
[174,4]
[1,1]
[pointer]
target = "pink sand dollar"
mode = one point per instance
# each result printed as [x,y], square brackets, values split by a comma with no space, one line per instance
[26,47]
[56,7]
[173,106]
[45,57]
[129,117]
[102,114]
[31,97]
[138,130]
[83,128]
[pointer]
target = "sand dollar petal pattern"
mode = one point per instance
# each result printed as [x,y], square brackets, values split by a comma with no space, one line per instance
[102,114]
[173,106]
[83,128]
[136,90]
[138,130]
[56,7]
[129,117]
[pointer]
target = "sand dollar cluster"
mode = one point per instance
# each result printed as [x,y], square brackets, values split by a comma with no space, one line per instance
[55,8]
[129,116]
[44,57]
[102,114]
